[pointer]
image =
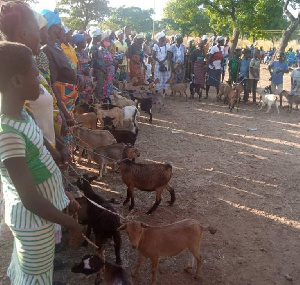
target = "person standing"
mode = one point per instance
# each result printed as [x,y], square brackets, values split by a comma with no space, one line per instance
[277,69]
[215,60]
[226,53]
[178,51]
[254,71]
[244,73]
[160,55]
[295,82]
[198,69]
[121,50]
[234,66]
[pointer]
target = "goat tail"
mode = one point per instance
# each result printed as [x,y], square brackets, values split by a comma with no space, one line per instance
[210,229]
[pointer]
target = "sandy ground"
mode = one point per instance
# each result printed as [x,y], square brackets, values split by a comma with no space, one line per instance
[235,171]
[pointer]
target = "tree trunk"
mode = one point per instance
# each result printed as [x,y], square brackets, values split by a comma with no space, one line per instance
[235,38]
[286,35]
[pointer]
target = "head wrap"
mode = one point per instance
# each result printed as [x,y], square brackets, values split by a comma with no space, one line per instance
[147,35]
[219,39]
[77,38]
[103,36]
[119,32]
[41,20]
[139,36]
[204,37]
[201,44]
[108,32]
[178,36]
[95,32]
[160,35]
[51,17]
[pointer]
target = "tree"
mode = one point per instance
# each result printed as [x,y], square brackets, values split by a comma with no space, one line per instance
[294,22]
[26,1]
[82,12]
[186,17]
[138,19]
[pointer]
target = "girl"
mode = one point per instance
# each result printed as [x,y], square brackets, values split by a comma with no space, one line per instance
[32,183]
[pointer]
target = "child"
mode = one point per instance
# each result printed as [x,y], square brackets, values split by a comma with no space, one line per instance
[32,183]
[234,66]
[244,72]
[254,70]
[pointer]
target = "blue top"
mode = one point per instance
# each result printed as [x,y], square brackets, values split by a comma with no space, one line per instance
[277,78]
[244,69]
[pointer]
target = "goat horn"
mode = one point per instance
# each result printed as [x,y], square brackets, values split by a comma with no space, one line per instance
[123,227]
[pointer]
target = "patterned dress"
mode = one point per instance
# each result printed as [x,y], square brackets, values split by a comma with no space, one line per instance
[110,69]
[33,252]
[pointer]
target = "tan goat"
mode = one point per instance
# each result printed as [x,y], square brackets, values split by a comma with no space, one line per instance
[88,120]
[122,102]
[115,113]
[168,240]
[178,87]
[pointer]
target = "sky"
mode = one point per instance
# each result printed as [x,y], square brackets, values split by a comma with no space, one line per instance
[159,5]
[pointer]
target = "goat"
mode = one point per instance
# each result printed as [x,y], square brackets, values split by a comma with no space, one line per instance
[168,240]
[178,87]
[103,223]
[224,88]
[83,107]
[108,155]
[233,98]
[292,99]
[123,136]
[88,120]
[144,103]
[115,113]
[122,102]
[112,274]
[91,139]
[146,177]
[268,99]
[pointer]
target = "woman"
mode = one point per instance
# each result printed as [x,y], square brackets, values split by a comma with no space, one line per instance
[110,65]
[83,67]
[160,55]
[67,45]
[198,69]
[178,51]
[97,63]
[63,73]
[136,56]
[121,50]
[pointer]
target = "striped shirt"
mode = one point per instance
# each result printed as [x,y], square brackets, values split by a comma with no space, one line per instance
[22,138]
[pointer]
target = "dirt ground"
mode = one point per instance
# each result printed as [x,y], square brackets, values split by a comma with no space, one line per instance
[238,172]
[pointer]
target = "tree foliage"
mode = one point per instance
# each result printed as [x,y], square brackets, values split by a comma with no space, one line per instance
[138,19]
[186,17]
[80,13]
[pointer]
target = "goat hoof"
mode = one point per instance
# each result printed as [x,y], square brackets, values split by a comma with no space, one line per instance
[171,203]
[197,277]
[188,269]
[149,212]
[119,262]
[125,202]
[131,207]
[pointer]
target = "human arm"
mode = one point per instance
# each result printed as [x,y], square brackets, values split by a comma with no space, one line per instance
[270,67]
[34,202]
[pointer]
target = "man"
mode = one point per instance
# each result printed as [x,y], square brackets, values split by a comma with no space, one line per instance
[215,60]
[277,69]
[254,71]
[127,33]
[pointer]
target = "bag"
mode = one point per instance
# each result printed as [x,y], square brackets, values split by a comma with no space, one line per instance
[162,68]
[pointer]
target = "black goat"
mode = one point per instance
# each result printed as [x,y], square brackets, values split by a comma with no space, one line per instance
[145,104]
[104,224]
[113,274]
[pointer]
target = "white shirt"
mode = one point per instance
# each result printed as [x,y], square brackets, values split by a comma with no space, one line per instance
[295,88]
[42,110]
[216,63]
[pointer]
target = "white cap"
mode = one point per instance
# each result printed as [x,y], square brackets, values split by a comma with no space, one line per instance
[160,35]
[204,37]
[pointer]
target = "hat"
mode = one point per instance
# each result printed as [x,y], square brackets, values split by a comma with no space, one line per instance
[160,35]
[119,32]
[41,20]
[95,32]
[219,39]
[147,35]
[77,38]
[204,37]
[51,17]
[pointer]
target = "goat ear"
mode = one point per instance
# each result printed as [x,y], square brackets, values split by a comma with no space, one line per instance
[145,225]
[123,227]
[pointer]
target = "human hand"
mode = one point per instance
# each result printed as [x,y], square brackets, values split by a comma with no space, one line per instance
[70,122]
[76,233]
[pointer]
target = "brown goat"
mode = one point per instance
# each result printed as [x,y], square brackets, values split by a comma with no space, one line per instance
[178,87]
[87,120]
[168,240]
[146,177]
[223,91]
[233,98]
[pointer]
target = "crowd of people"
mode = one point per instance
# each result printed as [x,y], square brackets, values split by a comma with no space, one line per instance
[46,69]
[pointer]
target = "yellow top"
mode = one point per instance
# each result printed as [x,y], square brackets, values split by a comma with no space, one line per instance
[70,53]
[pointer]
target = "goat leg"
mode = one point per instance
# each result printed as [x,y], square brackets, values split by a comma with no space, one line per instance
[139,264]
[157,202]
[150,114]
[172,193]
[154,270]
[127,197]
[117,245]
[87,234]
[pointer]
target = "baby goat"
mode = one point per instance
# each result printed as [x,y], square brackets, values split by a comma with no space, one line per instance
[112,274]
[103,223]
[146,177]
[168,240]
